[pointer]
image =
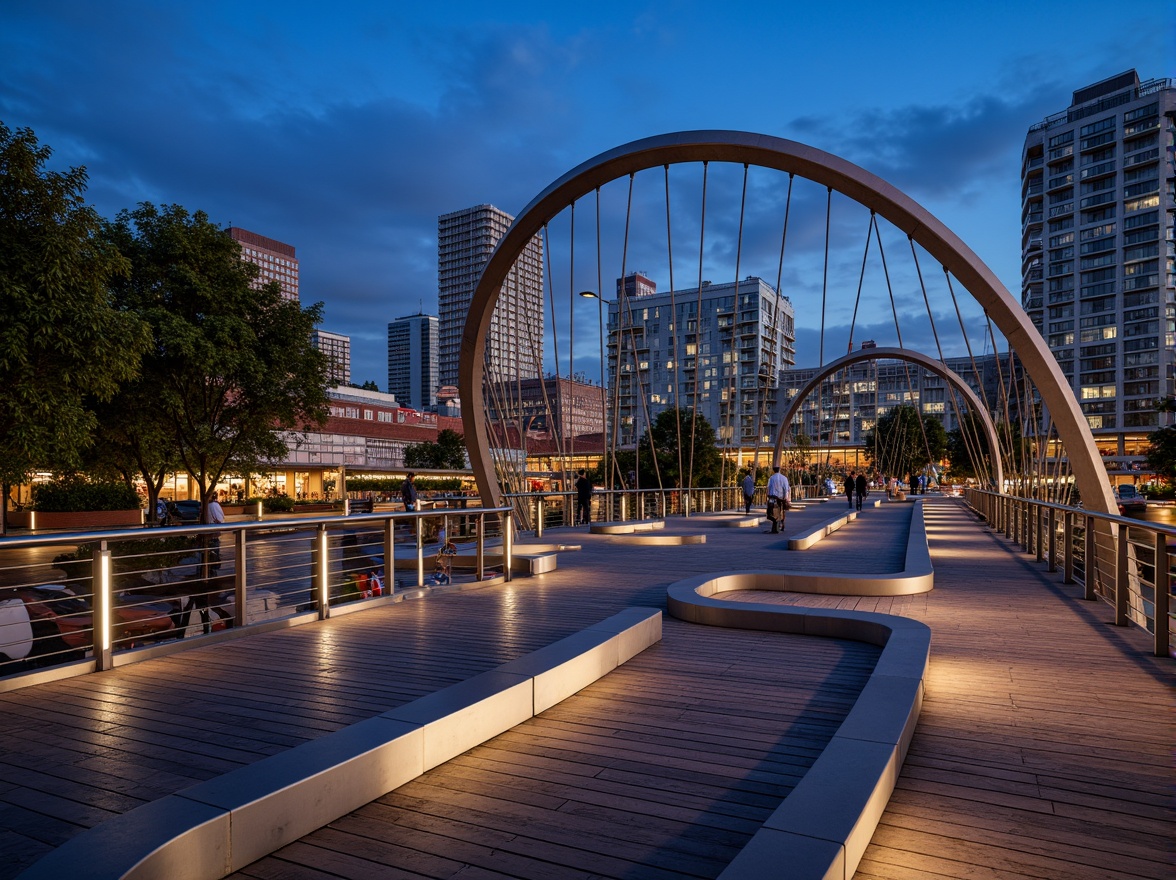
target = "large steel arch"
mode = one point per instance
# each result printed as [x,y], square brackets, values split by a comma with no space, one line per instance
[899,354]
[823,168]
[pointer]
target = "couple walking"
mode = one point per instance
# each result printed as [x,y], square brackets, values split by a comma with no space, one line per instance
[858,485]
[779,496]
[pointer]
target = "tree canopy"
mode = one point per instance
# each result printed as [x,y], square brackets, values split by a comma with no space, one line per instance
[903,441]
[231,367]
[700,462]
[448,452]
[1161,445]
[62,342]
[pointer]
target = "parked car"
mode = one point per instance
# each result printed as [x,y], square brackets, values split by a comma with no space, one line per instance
[1129,499]
[62,622]
[183,511]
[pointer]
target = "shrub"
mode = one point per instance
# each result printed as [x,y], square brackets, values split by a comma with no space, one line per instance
[76,493]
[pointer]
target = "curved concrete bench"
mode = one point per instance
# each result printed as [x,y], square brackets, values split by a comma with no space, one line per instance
[626,528]
[659,540]
[815,533]
[917,575]
[824,825]
[220,826]
[729,520]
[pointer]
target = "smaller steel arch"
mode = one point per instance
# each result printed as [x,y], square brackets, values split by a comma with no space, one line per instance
[898,354]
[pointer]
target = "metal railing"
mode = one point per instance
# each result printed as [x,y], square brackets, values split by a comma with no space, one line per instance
[539,511]
[1125,562]
[75,602]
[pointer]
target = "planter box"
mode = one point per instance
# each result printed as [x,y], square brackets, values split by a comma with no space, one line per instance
[74,519]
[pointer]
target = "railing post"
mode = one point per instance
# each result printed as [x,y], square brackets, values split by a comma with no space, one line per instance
[240,580]
[480,553]
[1009,516]
[390,555]
[1163,582]
[539,517]
[623,506]
[322,559]
[1038,550]
[507,545]
[1051,542]
[1090,564]
[101,575]
[1121,585]
[419,534]
[1068,547]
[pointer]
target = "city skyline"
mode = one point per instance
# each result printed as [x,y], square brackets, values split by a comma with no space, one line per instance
[347,136]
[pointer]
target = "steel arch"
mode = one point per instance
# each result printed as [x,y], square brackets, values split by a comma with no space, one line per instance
[823,168]
[899,354]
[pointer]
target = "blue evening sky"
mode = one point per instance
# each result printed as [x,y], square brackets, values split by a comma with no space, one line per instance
[346,128]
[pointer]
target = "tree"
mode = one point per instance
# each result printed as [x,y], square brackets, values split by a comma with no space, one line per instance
[61,341]
[448,452]
[899,446]
[231,367]
[369,385]
[1161,445]
[662,469]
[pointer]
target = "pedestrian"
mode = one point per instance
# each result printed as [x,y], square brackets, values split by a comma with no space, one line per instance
[408,492]
[583,498]
[779,498]
[216,514]
[748,492]
[849,487]
[863,489]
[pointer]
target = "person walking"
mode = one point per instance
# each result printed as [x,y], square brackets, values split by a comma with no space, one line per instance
[863,489]
[583,498]
[408,492]
[849,487]
[748,492]
[779,498]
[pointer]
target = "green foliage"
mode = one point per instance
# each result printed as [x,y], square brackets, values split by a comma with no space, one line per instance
[1161,453]
[898,446]
[391,485]
[77,493]
[664,470]
[447,453]
[61,341]
[231,368]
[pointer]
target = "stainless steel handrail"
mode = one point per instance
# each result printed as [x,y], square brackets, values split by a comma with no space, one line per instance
[1127,563]
[138,590]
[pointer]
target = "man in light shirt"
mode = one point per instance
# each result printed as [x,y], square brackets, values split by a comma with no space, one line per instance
[779,497]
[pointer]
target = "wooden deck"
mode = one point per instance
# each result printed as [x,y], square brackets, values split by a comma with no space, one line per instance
[1043,750]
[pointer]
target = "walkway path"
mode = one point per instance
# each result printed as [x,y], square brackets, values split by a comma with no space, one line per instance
[1044,748]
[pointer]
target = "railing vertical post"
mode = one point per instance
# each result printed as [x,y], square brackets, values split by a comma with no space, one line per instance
[322,586]
[1090,564]
[390,555]
[507,545]
[240,579]
[1163,582]
[480,553]
[1009,516]
[623,506]
[1038,549]
[1121,585]
[1051,528]
[1026,529]
[101,577]
[419,533]
[1068,548]
[539,517]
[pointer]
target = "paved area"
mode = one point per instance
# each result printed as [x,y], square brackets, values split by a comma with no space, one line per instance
[1032,730]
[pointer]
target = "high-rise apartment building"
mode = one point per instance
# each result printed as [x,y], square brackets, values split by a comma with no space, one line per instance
[275,259]
[465,241]
[718,350]
[337,348]
[1097,207]
[413,360]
